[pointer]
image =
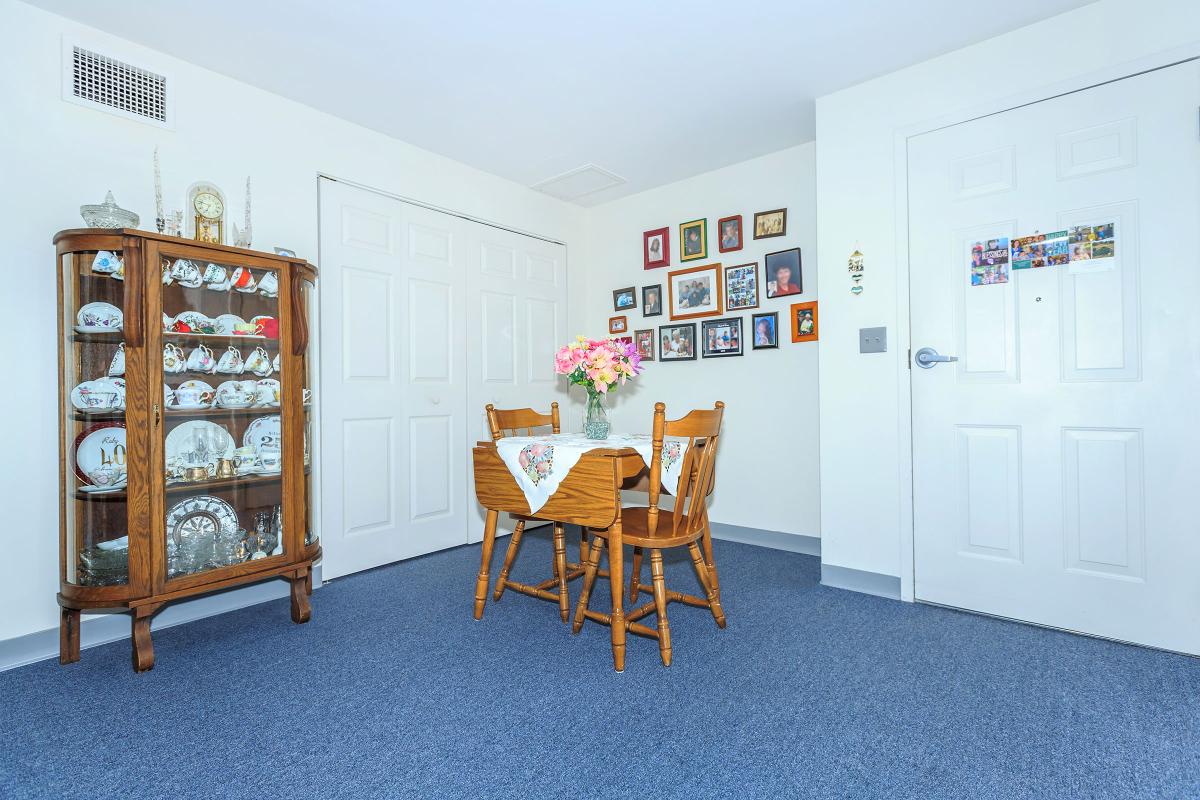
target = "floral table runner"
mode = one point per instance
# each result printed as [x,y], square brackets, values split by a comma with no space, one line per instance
[540,463]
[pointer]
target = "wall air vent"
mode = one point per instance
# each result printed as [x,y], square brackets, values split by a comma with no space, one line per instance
[104,83]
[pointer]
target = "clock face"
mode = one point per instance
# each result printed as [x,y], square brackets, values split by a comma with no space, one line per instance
[208,205]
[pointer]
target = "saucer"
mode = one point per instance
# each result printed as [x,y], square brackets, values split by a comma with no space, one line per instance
[222,404]
[180,407]
[104,489]
[108,410]
[96,329]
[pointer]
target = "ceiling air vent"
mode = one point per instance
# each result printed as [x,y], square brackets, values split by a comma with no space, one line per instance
[101,82]
[580,182]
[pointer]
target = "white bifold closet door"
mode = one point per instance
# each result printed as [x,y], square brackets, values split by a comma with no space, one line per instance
[426,317]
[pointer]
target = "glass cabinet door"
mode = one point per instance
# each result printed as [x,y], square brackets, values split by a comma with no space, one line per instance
[308,372]
[223,452]
[96,510]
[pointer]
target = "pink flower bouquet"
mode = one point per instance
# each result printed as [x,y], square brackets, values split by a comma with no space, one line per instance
[599,365]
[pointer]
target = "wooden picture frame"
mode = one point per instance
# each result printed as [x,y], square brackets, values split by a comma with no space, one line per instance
[618,325]
[683,286]
[724,244]
[677,342]
[772,339]
[656,248]
[802,312]
[652,303]
[769,224]
[721,338]
[741,287]
[629,292]
[699,245]
[644,341]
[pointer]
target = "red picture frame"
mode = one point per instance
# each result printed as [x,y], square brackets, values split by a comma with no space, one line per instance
[721,233]
[663,256]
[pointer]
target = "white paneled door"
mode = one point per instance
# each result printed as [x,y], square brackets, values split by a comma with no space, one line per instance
[420,316]
[1054,462]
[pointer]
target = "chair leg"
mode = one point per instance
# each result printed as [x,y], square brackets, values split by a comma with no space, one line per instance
[636,578]
[560,567]
[589,577]
[714,602]
[660,606]
[709,561]
[509,556]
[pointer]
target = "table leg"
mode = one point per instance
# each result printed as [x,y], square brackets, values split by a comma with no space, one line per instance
[485,564]
[616,580]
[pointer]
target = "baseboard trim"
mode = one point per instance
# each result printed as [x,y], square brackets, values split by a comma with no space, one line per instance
[776,540]
[101,629]
[857,580]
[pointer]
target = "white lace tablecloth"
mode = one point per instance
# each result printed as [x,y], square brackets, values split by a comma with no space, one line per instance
[541,463]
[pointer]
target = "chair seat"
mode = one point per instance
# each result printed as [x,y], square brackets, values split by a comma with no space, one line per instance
[635,529]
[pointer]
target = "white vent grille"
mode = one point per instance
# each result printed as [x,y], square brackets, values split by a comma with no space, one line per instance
[98,81]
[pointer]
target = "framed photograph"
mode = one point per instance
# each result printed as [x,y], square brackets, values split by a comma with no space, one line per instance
[656,248]
[652,300]
[645,343]
[625,299]
[729,233]
[741,287]
[765,330]
[618,325]
[782,271]
[770,223]
[677,342]
[695,292]
[804,322]
[721,337]
[693,240]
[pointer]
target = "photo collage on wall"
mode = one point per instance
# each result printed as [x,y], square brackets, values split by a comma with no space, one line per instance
[712,292]
[1081,248]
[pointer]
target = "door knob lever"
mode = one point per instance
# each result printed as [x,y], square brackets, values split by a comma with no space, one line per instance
[927,357]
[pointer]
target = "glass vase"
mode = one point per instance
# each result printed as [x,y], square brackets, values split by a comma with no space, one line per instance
[595,420]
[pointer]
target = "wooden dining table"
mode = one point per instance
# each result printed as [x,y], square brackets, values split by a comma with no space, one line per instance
[589,496]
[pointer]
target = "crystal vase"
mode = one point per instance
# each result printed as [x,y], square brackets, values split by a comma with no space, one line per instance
[595,420]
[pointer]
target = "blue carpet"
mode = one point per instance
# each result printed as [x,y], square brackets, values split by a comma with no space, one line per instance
[394,691]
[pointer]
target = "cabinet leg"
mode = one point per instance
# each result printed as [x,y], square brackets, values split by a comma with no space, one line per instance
[308,582]
[301,610]
[143,647]
[68,636]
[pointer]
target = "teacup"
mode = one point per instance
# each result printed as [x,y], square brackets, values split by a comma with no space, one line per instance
[167,322]
[105,262]
[231,362]
[275,362]
[269,459]
[245,457]
[173,358]
[268,394]
[190,397]
[237,398]
[243,279]
[259,362]
[201,360]
[107,475]
[269,285]
[187,273]
[167,278]
[119,272]
[196,474]
[117,365]
[216,278]
[306,396]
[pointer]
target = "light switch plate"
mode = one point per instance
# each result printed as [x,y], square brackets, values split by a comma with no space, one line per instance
[872,340]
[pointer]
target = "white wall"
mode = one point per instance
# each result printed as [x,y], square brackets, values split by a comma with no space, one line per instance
[863,456]
[768,464]
[55,156]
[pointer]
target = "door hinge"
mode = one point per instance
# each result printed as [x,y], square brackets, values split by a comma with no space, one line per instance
[909,359]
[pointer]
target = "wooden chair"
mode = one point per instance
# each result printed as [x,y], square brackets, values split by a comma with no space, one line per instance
[510,423]
[654,530]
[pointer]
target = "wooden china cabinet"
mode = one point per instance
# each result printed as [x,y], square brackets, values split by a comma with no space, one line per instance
[186,396]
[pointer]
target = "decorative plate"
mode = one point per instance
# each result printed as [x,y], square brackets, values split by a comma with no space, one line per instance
[225,322]
[97,445]
[99,317]
[197,443]
[200,517]
[263,432]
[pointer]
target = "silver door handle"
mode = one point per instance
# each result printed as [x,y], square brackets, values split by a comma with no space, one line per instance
[926,357]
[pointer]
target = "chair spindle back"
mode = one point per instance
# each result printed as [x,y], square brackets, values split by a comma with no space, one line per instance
[509,422]
[702,428]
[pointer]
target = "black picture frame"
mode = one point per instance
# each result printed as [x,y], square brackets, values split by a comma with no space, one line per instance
[714,325]
[647,309]
[783,258]
[754,318]
[618,293]
[666,354]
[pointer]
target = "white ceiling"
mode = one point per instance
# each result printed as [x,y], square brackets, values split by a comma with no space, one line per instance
[529,89]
